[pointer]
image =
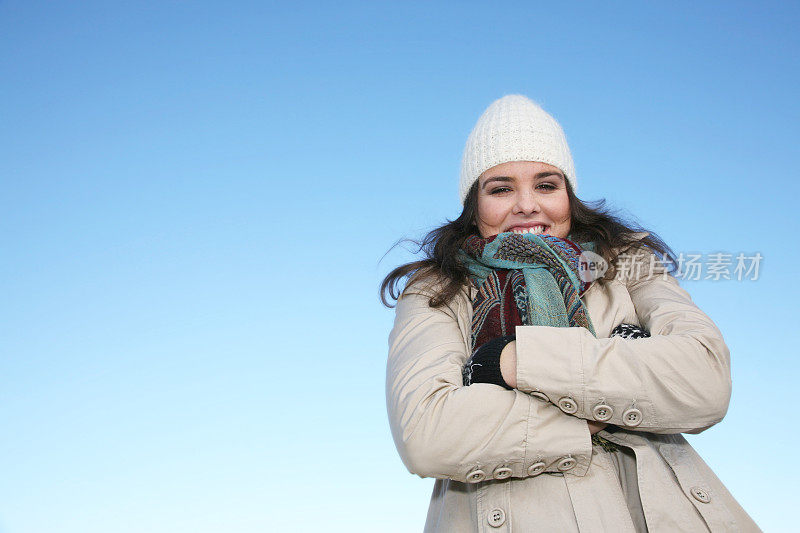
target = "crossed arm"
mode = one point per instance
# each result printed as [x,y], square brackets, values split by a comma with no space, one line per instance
[678,380]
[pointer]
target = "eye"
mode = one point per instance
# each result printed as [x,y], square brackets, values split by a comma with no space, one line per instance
[499,190]
[547,186]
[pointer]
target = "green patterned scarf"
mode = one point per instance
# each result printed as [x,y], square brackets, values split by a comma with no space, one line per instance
[524,279]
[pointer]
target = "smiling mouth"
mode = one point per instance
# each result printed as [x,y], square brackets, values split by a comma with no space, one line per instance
[538,229]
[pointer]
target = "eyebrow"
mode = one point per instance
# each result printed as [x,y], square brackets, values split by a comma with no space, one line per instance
[540,175]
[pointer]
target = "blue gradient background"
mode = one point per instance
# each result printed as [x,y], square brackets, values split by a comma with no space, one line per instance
[197,198]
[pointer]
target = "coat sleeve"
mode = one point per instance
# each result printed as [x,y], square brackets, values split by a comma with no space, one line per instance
[677,380]
[445,430]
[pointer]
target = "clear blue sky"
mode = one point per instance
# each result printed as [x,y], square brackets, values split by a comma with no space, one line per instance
[196,200]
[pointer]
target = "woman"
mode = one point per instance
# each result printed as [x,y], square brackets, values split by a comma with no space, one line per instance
[544,395]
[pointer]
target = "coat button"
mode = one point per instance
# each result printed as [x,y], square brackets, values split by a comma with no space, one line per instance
[536,468]
[539,395]
[602,412]
[502,472]
[567,463]
[632,417]
[496,517]
[700,494]
[476,476]
[568,405]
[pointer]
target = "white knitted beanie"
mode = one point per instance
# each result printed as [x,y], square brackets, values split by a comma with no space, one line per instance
[514,128]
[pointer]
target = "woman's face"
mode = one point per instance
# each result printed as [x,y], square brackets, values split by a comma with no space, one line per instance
[523,197]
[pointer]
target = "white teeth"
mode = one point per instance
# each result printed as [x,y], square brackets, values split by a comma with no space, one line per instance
[538,230]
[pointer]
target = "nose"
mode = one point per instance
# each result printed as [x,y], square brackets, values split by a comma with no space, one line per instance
[526,203]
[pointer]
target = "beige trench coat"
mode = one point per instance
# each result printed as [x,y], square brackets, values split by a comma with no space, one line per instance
[522,460]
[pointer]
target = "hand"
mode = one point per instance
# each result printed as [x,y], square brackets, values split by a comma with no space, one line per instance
[594,427]
[484,365]
[630,331]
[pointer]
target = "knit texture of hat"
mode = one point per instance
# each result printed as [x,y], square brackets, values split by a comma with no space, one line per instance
[514,128]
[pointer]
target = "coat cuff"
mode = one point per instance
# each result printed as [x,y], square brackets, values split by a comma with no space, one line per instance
[564,366]
[565,447]
[550,365]
[554,444]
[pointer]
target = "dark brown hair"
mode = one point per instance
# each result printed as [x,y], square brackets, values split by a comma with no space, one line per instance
[440,246]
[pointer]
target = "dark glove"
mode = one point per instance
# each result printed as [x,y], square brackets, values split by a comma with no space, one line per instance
[484,365]
[629,331]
